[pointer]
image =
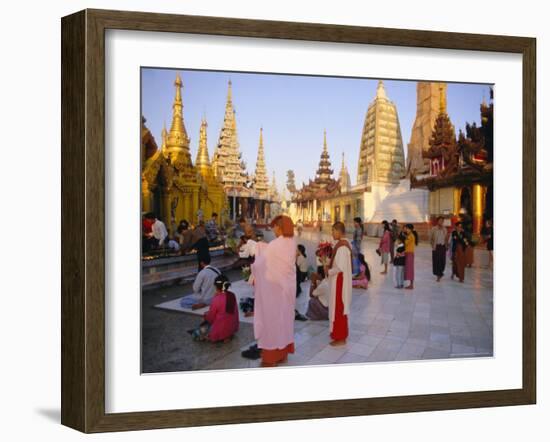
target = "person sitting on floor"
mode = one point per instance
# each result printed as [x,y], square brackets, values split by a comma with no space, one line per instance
[203,287]
[361,281]
[317,309]
[221,321]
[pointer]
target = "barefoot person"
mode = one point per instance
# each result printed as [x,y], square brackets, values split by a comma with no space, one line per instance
[339,273]
[438,240]
[411,241]
[459,250]
[385,246]
[274,272]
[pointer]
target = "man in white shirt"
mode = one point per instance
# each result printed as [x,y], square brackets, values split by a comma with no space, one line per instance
[203,287]
[159,232]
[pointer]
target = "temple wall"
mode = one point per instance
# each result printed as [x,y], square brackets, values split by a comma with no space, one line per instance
[442,201]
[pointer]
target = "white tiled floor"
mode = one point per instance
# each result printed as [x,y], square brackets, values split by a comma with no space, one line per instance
[433,321]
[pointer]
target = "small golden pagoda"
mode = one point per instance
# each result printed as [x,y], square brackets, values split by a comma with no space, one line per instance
[212,197]
[172,187]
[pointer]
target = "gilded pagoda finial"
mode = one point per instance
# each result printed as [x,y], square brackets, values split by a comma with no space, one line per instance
[380,90]
[229,91]
[177,139]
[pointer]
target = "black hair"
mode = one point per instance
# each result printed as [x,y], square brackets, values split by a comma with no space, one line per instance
[361,259]
[358,220]
[222,282]
[150,215]
[459,223]
[214,214]
[184,223]
[411,228]
[302,250]
[206,259]
[394,221]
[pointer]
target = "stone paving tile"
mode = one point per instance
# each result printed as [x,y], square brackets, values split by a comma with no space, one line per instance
[434,353]
[332,354]
[361,349]
[351,358]
[462,350]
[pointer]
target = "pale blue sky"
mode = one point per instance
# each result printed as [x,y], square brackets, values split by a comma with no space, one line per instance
[293,111]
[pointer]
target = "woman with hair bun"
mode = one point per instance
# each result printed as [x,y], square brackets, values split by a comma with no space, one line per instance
[221,321]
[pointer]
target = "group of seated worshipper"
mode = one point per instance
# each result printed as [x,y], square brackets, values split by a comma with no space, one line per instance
[194,239]
[153,232]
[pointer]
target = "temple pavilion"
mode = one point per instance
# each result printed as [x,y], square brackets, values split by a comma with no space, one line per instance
[307,198]
[460,170]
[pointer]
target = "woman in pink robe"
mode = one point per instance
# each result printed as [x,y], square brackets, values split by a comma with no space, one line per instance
[274,272]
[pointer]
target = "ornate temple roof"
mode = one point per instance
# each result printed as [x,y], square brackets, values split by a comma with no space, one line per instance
[323,185]
[428,100]
[324,171]
[466,160]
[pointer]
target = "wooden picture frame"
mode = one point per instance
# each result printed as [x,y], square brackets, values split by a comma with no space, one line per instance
[83,214]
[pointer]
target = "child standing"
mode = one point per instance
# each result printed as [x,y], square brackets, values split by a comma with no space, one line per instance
[399,263]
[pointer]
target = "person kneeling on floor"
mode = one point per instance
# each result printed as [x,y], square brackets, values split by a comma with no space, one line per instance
[221,321]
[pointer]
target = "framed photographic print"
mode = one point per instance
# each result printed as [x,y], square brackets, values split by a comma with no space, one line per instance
[270,220]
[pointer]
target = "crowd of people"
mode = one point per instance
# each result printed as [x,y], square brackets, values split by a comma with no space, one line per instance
[279,267]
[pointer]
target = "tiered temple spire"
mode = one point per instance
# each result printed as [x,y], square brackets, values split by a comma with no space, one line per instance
[261,180]
[443,151]
[177,141]
[274,193]
[227,163]
[324,172]
[381,156]
[429,98]
[344,178]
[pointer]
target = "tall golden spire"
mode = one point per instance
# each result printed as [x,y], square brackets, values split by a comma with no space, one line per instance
[261,179]
[325,149]
[164,135]
[442,99]
[178,141]
[203,161]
